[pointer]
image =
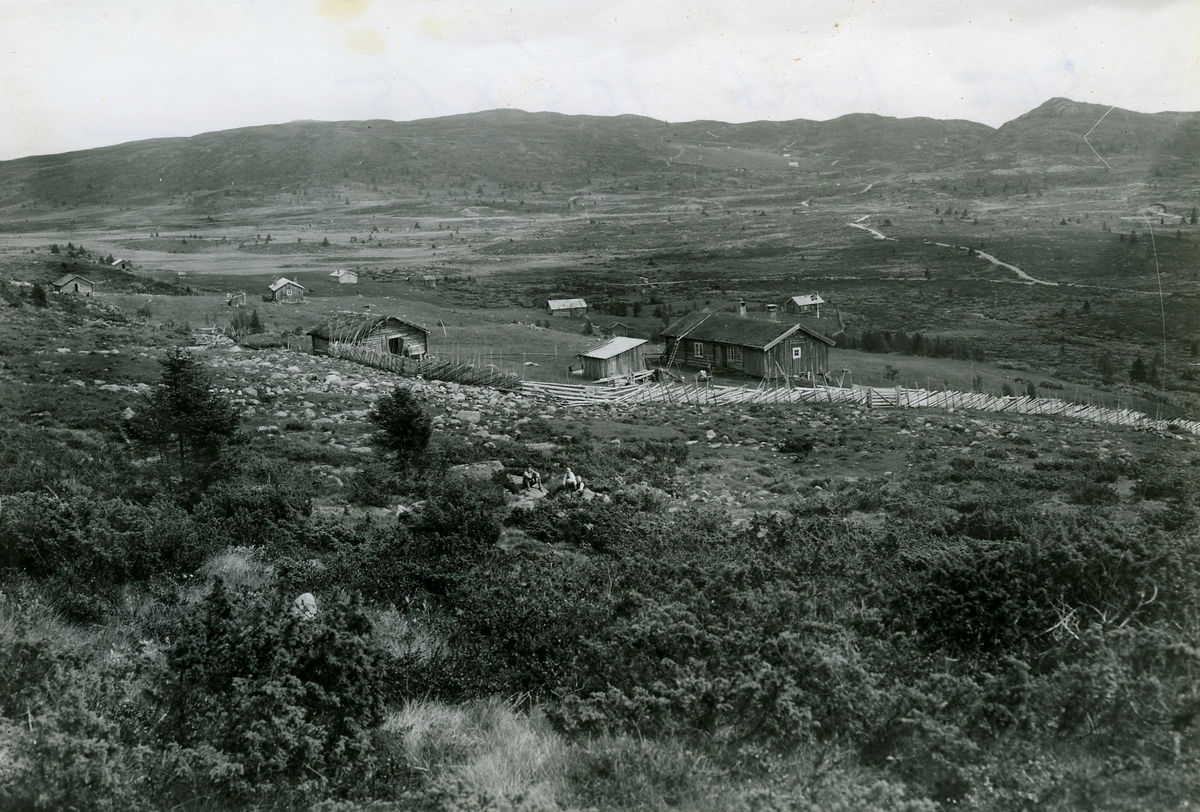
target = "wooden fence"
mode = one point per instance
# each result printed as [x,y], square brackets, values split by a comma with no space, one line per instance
[871,397]
[429,370]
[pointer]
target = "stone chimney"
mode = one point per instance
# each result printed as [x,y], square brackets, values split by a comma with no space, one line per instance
[742,308]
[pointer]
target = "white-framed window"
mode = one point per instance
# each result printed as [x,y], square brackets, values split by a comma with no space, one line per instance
[698,349]
[735,356]
[795,353]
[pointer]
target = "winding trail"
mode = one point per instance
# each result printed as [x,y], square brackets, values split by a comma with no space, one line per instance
[1024,276]
[878,234]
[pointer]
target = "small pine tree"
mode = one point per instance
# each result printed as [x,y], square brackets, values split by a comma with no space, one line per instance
[404,428]
[325,242]
[53,248]
[38,295]
[256,325]
[183,417]
[1137,370]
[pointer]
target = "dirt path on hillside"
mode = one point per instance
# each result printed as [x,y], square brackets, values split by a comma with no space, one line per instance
[879,235]
[1024,276]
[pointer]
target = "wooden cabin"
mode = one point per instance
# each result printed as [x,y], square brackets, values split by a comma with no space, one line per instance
[765,349]
[75,284]
[345,277]
[621,356]
[566,307]
[809,304]
[285,290]
[122,264]
[608,327]
[385,334]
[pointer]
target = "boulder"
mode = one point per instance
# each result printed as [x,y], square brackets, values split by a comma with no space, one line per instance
[478,470]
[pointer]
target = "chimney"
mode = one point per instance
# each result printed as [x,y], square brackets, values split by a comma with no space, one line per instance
[742,308]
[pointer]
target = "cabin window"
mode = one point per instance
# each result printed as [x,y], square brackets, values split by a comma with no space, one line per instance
[735,356]
[795,353]
[697,349]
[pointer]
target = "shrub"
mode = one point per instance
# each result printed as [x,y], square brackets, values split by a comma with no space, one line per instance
[799,444]
[291,700]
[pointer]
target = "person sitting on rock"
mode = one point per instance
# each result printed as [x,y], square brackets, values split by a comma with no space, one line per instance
[531,478]
[570,481]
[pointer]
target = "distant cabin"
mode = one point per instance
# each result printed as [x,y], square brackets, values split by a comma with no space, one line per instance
[609,328]
[765,349]
[345,277]
[385,334]
[566,307]
[123,264]
[236,299]
[809,304]
[75,284]
[429,280]
[621,356]
[285,290]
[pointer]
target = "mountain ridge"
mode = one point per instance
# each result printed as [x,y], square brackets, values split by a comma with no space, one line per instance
[516,149]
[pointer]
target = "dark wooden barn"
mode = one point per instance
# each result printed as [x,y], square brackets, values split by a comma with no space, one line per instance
[386,334]
[75,284]
[285,290]
[764,349]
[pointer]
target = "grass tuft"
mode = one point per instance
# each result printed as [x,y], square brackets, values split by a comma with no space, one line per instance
[486,746]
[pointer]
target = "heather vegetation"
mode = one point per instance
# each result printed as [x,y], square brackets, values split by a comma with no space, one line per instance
[244,577]
[1011,629]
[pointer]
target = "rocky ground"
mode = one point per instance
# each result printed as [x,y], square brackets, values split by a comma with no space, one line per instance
[744,459]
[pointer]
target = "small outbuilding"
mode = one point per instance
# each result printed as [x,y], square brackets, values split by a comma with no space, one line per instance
[429,280]
[621,356]
[385,334]
[566,307]
[809,304]
[75,284]
[764,349]
[285,290]
[123,264]
[608,327]
[236,299]
[345,277]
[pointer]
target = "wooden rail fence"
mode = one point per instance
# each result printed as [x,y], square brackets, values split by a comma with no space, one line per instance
[430,370]
[871,397]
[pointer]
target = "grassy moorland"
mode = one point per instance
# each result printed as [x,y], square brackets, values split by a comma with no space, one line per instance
[754,608]
[749,608]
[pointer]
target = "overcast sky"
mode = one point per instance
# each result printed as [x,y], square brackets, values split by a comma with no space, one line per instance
[76,74]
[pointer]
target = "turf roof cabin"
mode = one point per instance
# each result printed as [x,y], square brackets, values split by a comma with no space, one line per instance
[619,357]
[75,284]
[765,349]
[386,334]
[566,307]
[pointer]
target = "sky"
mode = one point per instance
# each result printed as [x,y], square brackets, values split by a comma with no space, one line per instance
[76,74]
